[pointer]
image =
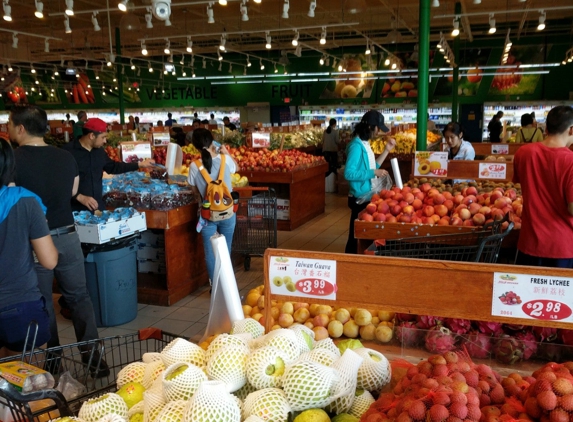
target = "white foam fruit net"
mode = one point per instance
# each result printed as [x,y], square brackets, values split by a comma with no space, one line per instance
[265,367]
[244,391]
[172,411]
[284,340]
[150,357]
[347,365]
[153,403]
[181,350]
[229,365]
[224,340]
[253,418]
[304,336]
[95,409]
[69,418]
[185,382]
[362,402]
[323,356]
[112,418]
[212,404]
[152,371]
[269,404]
[309,385]
[248,325]
[375,371]
[131,373]
[157,384]
[328,344]
[136,408]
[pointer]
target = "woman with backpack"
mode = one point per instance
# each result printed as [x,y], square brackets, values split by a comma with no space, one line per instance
[217,217]
[528,132]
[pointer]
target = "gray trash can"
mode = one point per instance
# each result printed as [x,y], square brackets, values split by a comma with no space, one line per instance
[111,274]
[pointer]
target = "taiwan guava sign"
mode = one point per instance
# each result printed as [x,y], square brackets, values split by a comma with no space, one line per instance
[307,278]
[359,83]
[468,80]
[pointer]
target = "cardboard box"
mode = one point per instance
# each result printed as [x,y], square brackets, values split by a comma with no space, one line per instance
[23,375]
[105,232]
[151,252]
[283,209]
[151,238]
[151,266]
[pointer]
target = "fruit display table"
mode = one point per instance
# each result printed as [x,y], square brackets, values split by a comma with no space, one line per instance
[304,189]
[182,276]
[490,148]
[469,169]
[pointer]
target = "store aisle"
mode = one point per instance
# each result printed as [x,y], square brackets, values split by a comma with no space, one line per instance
[188,317]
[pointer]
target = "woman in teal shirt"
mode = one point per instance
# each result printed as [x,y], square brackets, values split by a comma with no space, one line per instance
[362,167]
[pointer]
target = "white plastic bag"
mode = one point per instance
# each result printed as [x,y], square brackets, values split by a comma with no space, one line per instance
[379,183]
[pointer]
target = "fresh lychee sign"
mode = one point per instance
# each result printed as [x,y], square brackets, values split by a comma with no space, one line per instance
[531,296]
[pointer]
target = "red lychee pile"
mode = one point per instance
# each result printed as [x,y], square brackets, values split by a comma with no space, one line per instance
[447,387]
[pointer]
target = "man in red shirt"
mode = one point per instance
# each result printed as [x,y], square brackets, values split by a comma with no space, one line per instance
[545,171]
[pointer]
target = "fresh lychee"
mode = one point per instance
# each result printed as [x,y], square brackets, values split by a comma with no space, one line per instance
[473,399]
[547,375]
[459,410]
[484,386]
[473,412]
[458,376]
[417,410]
[441,398]
[547,400]
[438,413]
[458,397]
[497,394]
[484,400]
[472,378]
[403,417]
[532,407]
[430,383]
[418,379]
[562,386]
[566,402]
[440,370]
[451,357]
[559,415]
[541,385]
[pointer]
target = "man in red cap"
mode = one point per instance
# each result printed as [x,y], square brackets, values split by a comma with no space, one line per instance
[92,162]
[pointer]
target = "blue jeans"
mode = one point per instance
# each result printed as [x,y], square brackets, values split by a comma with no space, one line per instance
[224,227]
[14,322]
[536,261]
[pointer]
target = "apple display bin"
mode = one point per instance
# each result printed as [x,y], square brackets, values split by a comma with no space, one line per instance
[117,351]
[111,277]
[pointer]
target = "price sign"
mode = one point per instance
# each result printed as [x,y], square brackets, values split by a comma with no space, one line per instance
[133,152]
[261,140]
[161,138]
[500,149]
[492,170]
[307,278]
[532,297]
[431,164]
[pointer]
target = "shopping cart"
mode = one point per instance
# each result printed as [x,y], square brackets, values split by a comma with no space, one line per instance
[82,360]
[256,228]
[477,246]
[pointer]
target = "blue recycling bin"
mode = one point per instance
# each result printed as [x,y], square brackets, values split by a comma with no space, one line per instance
[111,275]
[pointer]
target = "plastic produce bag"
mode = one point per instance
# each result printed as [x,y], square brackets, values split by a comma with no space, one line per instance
[70,387]
[378,184]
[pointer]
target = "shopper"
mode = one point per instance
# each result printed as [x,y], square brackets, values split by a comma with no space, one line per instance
[545,171]
[170,122]
[431,125]
[92,161]
[330,140]
[159,123]
[457,148]
[495,127]
[189,135]
[534,119]
[136,122]
[228,124]
[131,123]
[23,231]
[211,160]
[82,119]
[213,121]
[362,167]
[528,132]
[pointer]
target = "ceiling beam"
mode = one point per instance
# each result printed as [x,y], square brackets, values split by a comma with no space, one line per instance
[398,18]
[466,22]
[523,20]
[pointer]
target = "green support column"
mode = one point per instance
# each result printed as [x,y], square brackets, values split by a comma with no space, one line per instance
[456,82]
[423,75]
[119,77]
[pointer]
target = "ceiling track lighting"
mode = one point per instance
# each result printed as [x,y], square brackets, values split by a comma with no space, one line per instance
[541,25]
[506,48]
[148,19]
[189,45]
[275,68]
[311,9]
[262,65]
[210,16]
[568,57]
[143,48]
[220,66]
[7,11]
[323,36]
[298,51]
[244,70]
[223,42]
[95,22]
[46,45]
[286,7]
[192,63]
[368,51]
[248,61]
[15,40]
[131,64]
[67,24]
[230,67]
[69,7]
[167,49]
[182,61]
[170,59]
[149,67]
[492,27]
[284,70]
[204,63]
[295,39]
[321,61]
[219,57]
[244,11]
[435,3]
[39,13]
[56,73]
[32,70]
[268,45]
[167,22]
[477,1]
[456,30]
[223,2]
[122,5]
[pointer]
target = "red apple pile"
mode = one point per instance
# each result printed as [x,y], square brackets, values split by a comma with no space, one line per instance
[263,159]
[427,205]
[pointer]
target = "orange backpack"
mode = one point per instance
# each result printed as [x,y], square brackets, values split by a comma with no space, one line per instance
[217,194]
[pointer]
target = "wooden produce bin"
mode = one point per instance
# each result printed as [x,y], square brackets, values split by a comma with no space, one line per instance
[305,189]
[184,258]
[487,148]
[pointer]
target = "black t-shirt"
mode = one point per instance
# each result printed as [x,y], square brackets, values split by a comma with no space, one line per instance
[91,165]
[49,172]
[495,128]
[18,279]
[231,126]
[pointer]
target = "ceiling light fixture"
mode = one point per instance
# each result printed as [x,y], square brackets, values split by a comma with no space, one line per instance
[492,28]
[368,51]
[143,48]
[111,59]
[122,5]
[321,61]
[182,61]
[39,13]
[223,42]
[32,70]
[541,25]
[223,2]
[67,25]
[193,70]
[244,11]
[167,22]
[295,39]
[387,61]
[268,45]
[298,51]
[56,73]
[230,67]
[334,63]
[276,70]
[248,61]
[166,50]
[210,16]
[477,1]
[220,66]
[149,67]
[323,36]
[131,63]
[204,63]
[170,59]
[506,48]
[219,57]
[311,9]
[262,65]
[244,70]
[286,7]
[189,45]
[46,45]
[284,70]
[95,22]
[7,11]
[70,7]
[14,40]
[435,3]
[148,19]
[340,68]
[456,30]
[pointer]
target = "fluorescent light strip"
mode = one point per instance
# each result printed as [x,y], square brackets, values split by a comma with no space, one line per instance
[304,80]
[188,78]
[538,72]
[345,73]
[278,75]
[362,79]
[539,65]
[313,74]
[250,82]
[276,82]
[223,83]
[248,76]
[327,79]
[220,77]
[382,71]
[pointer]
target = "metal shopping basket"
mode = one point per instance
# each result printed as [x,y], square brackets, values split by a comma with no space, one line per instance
[256,228]
[82,360]
[476,246]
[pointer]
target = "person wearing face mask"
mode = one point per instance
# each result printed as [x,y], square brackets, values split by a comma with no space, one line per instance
[457,148]
[92,161]
[362,167]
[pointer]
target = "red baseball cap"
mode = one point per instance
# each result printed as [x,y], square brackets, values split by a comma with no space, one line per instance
[95,125]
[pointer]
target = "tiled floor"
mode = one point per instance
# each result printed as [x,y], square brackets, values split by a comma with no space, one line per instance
[188,317]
